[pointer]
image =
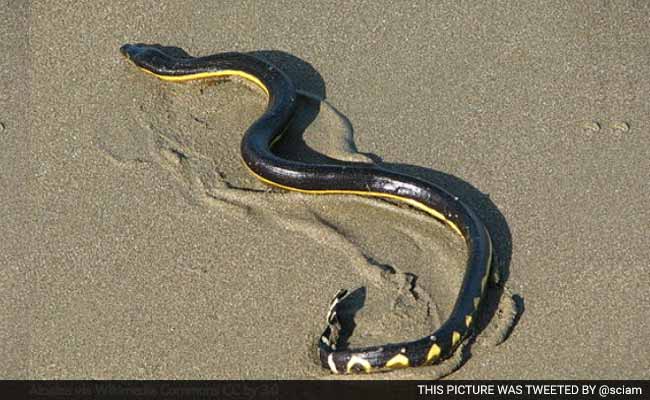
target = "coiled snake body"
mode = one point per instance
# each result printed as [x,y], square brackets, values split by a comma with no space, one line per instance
[342,178]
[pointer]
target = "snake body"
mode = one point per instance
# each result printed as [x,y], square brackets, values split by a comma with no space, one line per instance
[353,178]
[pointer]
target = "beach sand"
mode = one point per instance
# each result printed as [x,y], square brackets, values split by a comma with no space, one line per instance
[136,245]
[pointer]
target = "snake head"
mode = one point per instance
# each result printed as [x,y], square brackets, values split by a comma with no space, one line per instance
[139,51]
[131,51]
[160,60]
[140,54]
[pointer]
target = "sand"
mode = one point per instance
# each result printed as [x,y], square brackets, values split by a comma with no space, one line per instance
[136,245]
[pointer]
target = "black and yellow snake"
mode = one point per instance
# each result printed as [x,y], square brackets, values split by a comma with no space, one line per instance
[341,178]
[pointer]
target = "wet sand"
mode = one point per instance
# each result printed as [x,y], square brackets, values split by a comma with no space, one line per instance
[137,246]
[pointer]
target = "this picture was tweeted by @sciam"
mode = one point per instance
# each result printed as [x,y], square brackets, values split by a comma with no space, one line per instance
[535,389]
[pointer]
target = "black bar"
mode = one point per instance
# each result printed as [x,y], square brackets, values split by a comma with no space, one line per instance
[332,390]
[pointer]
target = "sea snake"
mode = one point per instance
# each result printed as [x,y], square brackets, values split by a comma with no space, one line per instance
[353,178]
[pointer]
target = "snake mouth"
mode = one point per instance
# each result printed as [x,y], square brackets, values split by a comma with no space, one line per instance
[131,51]
[139,54]
[126,50]
[138,51]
